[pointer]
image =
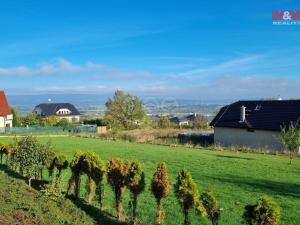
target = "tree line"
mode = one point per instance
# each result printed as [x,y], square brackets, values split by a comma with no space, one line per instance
[28,157]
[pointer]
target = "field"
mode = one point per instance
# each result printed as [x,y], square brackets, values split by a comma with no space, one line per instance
[236,178]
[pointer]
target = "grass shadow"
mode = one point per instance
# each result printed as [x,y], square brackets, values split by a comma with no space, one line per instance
[259,185]
[234,157]
[36,184]
[101,217]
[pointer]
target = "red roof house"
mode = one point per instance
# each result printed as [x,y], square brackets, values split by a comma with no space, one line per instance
[5,113]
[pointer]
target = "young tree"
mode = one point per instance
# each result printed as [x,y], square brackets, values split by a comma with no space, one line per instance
[200,122]
[76,168]
[97,175]
[117,171]
[90,164]
[62,122]
[94,168]
[30,120]
[164,122]
[264,212]
[160,187]
[123,110]
[211,206]
[30,157]
[136,184]
[186,192]
[16,119]
[290,138]
[4,150]
[60,162]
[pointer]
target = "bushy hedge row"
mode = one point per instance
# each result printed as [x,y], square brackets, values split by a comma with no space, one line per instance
[28,157]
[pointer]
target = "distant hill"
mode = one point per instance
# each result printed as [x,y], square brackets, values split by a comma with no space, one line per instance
[95,103]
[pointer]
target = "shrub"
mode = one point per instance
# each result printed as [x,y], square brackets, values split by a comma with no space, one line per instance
[3,151]
[90,164]
[116,176]
[160,188]
[75,180]
[211,206]
[94,167]
[136,184]
[186,192]
[264,212]
[129,138]
[60,162]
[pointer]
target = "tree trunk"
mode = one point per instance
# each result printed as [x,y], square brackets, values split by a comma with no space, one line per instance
[90,190]
[71,184]
[134,207]
[41,171]
[291,157]
[186,217]
[160,213]
[118,203]
[101,195]
[29,181]
[1,156]
[77,185]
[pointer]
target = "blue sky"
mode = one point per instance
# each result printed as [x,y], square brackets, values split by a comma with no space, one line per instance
[187,49]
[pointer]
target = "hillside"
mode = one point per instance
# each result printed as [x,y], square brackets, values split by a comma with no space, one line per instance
[23,205]
[236,178]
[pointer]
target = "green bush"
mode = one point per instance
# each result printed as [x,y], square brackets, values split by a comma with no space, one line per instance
[160,187]
[211,206]
[90,164]
[117,171]
[186,192]
[264,212]
[136,184]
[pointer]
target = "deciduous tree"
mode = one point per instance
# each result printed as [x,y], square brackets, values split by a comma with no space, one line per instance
[124,111]
[290,138]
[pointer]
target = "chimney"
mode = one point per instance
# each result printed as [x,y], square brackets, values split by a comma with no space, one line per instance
[243,114]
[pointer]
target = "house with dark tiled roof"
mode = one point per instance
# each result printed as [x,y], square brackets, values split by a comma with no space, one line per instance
[184,120]
[255,124]
[60,110]
[6,116]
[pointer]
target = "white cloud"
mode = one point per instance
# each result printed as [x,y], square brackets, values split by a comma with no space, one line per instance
[59,66]
[226,67]
[63,66]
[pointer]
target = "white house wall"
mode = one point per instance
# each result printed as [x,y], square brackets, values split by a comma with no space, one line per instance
[2,121]
[243,138]
[6,121]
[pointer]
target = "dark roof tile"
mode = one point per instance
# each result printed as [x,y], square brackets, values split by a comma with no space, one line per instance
[50,109]
[265,114]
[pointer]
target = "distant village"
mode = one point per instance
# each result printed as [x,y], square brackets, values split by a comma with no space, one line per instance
[254,124]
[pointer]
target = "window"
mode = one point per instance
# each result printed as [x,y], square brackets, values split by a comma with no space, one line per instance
[258,107]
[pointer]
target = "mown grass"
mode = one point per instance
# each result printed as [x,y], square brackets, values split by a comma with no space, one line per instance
[236,178]
[22,205]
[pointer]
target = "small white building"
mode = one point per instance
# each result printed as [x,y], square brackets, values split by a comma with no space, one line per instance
[255,124]
[6,117]
[60,110]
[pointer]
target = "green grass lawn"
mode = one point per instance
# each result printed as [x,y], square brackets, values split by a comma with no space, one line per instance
[236,179]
